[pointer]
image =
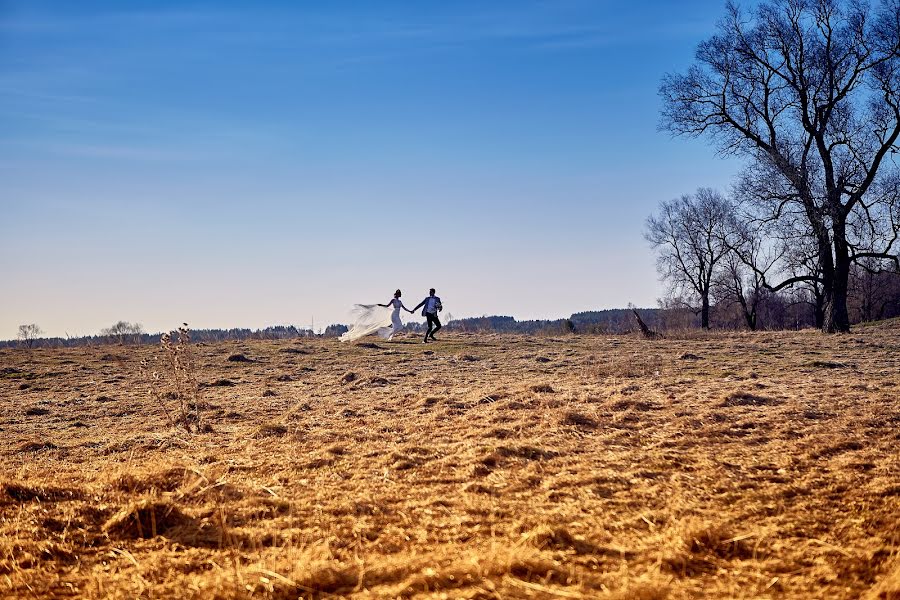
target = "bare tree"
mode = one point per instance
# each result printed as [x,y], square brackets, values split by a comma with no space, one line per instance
[736,284]
[124,331]
[873,293]
[810,91]
[791,244]
[742,279]
[691,234]
[28,334]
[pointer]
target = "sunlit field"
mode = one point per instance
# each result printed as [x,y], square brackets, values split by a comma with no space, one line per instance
[484,466]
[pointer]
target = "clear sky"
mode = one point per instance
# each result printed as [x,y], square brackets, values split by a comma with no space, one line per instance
[257,163]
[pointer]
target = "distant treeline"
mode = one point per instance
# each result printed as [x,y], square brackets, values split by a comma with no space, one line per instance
[776,311]
[616,321]
[277,332]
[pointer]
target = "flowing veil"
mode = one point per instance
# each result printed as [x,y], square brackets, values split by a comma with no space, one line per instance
[369,319]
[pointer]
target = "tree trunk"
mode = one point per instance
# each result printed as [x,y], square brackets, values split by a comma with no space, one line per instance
[749,313]
[818,308]
[704,311]
[837,319]
[750,317]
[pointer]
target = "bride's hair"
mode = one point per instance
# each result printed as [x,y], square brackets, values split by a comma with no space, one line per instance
[397,293]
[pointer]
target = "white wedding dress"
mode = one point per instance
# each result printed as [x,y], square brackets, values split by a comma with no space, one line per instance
[372,319]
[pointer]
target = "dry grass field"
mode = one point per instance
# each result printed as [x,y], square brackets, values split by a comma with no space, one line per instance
[722,466]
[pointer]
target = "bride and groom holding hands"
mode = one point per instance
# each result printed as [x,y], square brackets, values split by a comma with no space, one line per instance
[430,306]
[370,322]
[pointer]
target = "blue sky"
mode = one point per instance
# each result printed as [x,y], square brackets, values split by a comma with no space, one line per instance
[247,164]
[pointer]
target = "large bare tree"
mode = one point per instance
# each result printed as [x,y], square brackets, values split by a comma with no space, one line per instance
[692,236]
[809,90]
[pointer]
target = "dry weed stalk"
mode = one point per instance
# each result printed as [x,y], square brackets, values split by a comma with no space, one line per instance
[176,380]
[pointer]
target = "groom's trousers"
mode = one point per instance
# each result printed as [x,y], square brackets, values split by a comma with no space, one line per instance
[433,324]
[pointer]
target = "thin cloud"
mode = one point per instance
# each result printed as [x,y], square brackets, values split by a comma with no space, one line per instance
[107,151]
[41,24]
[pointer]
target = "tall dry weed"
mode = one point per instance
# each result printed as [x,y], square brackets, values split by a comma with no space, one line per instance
[171,376]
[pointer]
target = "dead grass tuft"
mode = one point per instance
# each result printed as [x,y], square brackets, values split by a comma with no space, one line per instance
[839,448]
[624,366]
[294,351]
[579,420]
[26,493]
[743,398]
[642,590]
[696,545]
[559,538]
[526,452]
[830,364]
[146,519]
[167,480]
[271,430]
[888,587]
[633,404]
[37,446]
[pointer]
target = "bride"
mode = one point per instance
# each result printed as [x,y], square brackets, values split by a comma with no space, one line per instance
[370,320]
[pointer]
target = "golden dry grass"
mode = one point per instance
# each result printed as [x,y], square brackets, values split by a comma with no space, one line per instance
[734,466]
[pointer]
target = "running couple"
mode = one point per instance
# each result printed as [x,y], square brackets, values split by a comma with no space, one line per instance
[370,321]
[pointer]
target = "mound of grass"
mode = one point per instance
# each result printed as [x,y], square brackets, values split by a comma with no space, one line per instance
[167,480]
[697,545]
[240,358]
[146,519]
[830,364]
[37,446]
[294,351]
[743,398]
[888,587]
[271,430]
[579,420]
[20,492]
[221,383]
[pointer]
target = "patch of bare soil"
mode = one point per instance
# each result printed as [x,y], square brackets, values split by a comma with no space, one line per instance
[724,466]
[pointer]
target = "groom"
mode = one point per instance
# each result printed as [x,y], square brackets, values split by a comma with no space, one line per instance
[432,305]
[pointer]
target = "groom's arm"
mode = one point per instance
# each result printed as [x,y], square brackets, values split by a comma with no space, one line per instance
[420,305]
